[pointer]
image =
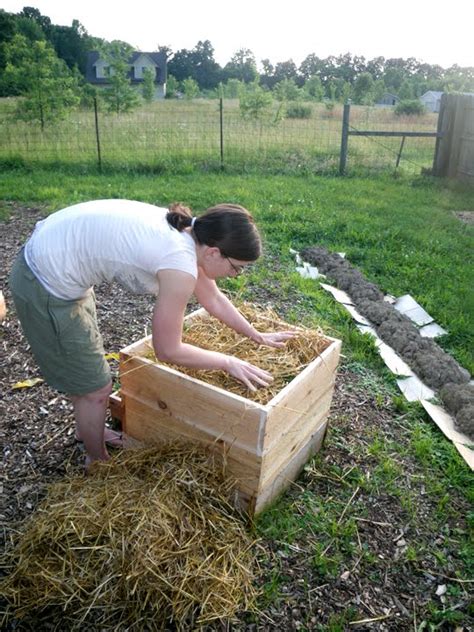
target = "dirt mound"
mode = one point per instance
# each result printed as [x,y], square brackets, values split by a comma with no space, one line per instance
[434,366]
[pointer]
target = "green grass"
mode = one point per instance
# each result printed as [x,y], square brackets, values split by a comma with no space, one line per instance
[184,136]
[401,233]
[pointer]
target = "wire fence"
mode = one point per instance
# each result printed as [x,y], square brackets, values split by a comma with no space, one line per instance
[182,136]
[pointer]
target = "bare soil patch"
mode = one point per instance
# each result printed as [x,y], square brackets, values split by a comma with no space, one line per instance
[465,216]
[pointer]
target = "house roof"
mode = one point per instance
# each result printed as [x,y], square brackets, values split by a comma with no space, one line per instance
[432,93]
[159,60]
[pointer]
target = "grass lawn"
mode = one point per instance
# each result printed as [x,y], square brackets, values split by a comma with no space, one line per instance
[385,465]
[179,136]
[401,233]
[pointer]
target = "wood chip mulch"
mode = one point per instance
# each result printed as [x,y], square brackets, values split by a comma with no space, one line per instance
[37,440]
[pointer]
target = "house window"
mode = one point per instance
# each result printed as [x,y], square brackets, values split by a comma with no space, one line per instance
[106,71]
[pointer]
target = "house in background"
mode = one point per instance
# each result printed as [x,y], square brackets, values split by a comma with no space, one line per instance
[98,70]
[388,99]
[431,100]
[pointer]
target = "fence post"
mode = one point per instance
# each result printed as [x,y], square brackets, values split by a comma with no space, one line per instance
[344,139]
[400,152]
[443,141]
[221,124]
[459,125]
[97,135]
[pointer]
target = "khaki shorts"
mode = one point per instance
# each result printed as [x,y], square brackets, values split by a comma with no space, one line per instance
[63,335]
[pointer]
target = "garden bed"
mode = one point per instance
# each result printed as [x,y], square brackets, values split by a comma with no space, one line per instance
[371,532]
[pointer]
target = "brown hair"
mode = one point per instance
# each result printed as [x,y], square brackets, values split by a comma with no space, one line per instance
[229,227]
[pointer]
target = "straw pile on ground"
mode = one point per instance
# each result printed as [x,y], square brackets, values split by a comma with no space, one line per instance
[284,364]
[147,539]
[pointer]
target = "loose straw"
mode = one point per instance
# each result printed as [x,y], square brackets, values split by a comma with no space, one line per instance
[150,535]
[284,364]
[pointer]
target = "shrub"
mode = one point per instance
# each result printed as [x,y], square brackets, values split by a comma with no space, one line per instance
[410,107]
[255,103]
[299,111]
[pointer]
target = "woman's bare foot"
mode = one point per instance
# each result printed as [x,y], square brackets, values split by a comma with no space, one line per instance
[112,438]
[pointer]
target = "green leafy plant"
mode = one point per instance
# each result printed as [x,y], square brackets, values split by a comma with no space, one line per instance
[299,111]
[119,96]
[255,103]
[48,87]
[148,86]
[410,107]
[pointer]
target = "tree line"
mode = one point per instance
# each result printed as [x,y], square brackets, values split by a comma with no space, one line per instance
[31,37]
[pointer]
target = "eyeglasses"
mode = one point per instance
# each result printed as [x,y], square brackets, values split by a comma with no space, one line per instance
[237,269]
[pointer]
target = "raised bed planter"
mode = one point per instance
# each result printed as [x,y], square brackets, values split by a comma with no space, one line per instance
[264,447]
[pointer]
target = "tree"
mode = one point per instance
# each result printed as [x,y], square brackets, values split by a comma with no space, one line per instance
[233,88]
[266,77]
[286,90]
[286,70]
[242,66]
[376,67]
[255,103]
[406,91]
[8,28]
[172,86]
[206,71]
[364,89]
[311,66]
[72,44]
[46,83]
[314,88]
[148,85]
[30,29]
[198,64]
[120,96]
[180,65]
[34,14]
[191,88]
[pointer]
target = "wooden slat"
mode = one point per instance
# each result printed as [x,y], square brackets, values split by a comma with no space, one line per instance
[117,407]
[175,396]
[149,425]
[294,438]
[290,473]
[290,406]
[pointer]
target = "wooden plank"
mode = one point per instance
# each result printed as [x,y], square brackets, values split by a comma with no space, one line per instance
[175,396]
[149,425]
[295,438]
[291,405]
[442,138]
[291,471]
[117,407]
[145,345]
[458,126]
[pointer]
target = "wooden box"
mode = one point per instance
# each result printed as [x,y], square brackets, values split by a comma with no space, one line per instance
[264,447]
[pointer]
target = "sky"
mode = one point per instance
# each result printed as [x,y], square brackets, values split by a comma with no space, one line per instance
[431,32]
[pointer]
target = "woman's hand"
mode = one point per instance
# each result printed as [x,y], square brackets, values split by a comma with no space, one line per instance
[274,338]
[247,373]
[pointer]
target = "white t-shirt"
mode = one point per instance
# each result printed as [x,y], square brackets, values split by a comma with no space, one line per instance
[107,240]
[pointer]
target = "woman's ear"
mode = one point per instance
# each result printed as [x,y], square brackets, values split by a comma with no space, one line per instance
[212,252]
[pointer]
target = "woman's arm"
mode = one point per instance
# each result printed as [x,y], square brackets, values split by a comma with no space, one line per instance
[218,305]
[175,290]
